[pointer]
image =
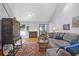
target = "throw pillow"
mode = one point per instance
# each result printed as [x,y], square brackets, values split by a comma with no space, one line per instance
[74,41]
[59,37]
[73,49]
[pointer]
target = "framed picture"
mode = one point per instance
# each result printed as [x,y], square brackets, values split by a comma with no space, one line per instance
[66,27]
[75,21]
[22,27]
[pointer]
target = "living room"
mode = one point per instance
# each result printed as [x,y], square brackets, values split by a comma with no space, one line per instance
[42,29]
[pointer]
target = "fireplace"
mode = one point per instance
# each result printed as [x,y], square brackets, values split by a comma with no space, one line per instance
[33,34]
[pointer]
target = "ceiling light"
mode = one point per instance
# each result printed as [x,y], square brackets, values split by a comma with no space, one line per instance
[29,15]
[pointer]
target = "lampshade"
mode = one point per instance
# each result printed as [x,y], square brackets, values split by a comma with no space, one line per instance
[54,29]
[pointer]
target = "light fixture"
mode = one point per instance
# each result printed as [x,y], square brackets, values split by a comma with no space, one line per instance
[29,15]
[54,29]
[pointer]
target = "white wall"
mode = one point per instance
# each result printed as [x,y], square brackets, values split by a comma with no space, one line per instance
[33,26]
[9,10]
[64,16]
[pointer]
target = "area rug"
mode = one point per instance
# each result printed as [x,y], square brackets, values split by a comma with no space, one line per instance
[49,46]
[30,49]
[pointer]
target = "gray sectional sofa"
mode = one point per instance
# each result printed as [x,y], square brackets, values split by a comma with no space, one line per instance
[57,42]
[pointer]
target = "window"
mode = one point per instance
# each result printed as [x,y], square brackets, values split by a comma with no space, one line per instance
[43,28]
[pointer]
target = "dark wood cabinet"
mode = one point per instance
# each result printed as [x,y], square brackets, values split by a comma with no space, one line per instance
[10,31]
[1,52]
[7,30]
[0,35]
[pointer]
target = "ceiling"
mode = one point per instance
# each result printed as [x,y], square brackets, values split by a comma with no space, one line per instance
[33,11]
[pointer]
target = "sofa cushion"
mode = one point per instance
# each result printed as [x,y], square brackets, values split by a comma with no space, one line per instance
[52,51]
[59,37]
[51,42]
[61,52]
[62,34]
[61,42]
[55,35]
[68,37]
[50,35]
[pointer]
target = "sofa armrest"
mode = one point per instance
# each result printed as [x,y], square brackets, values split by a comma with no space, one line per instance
[63,52]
